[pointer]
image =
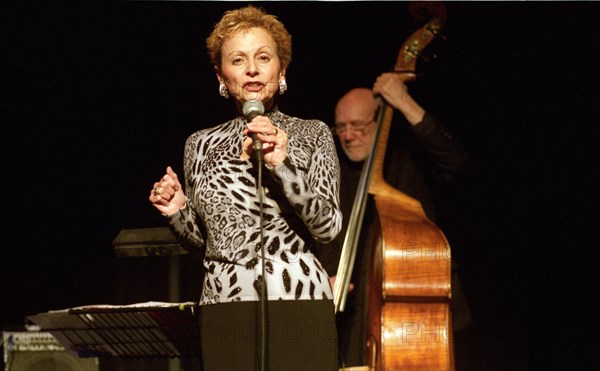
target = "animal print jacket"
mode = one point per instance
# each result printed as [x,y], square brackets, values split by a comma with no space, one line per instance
[301,208]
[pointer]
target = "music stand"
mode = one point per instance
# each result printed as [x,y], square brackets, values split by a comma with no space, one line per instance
[144,330]
[156,241]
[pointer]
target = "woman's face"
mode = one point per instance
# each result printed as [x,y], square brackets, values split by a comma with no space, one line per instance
[250,66]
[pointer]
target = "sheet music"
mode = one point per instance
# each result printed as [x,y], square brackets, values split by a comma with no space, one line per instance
[145,305]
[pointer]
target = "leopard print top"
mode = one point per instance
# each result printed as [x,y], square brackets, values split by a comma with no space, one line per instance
[301,208]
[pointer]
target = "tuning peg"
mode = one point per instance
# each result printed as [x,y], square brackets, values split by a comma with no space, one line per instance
[440,36]
[437,34]
[415,54]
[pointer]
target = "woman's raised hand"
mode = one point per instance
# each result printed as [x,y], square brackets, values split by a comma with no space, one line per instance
[167,194]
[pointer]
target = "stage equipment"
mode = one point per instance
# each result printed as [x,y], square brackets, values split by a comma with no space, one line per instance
[38,350]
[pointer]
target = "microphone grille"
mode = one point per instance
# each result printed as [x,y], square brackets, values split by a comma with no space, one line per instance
[255,107]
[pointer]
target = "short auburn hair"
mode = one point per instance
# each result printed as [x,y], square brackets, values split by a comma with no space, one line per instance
[242,19]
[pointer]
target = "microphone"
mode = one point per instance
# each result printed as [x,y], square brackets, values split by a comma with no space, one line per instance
[251,109]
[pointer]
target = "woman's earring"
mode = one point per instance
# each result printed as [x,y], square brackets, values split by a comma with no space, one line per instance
[282,86]
[223,90]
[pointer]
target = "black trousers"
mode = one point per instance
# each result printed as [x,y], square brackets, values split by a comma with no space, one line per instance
[301,335]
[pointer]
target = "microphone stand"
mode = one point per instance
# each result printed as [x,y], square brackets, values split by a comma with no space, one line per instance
[263,286]
[251,109]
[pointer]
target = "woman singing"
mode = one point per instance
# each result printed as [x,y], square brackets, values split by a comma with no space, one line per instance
[294,185]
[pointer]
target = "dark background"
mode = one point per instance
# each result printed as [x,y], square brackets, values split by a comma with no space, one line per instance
[99,97]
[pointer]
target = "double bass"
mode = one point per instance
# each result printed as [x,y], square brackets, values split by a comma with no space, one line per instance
[408,324]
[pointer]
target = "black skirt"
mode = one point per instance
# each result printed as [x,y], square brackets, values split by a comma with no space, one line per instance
[301,335]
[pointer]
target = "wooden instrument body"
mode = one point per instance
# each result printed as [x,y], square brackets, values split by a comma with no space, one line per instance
[409,323]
